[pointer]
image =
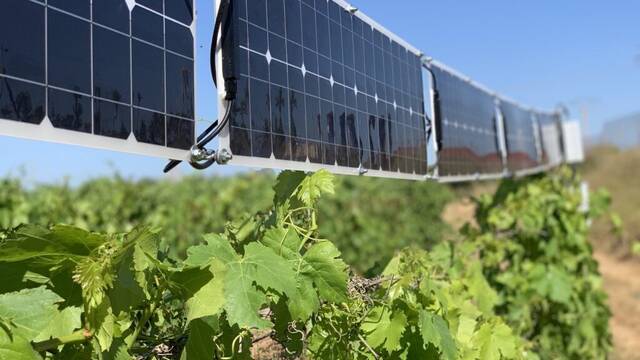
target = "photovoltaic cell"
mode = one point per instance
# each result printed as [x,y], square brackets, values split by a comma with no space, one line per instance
[319,85]
[100,70]
[467,130]
[520,128]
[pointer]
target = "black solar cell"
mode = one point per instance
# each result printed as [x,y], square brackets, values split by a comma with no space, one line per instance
[315,85]
[522,148]
[467,130]
[81,65]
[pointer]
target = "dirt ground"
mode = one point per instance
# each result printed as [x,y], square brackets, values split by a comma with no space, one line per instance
[621,281]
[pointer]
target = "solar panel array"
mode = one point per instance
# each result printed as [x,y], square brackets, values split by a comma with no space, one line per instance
[521,138]
[319,85]
[99,72]
[480,134]
[467,131]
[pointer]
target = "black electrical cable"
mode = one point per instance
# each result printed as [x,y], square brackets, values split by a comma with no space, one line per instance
[173,163]
[206,139]
[222,11]
[202,166]
[230,86]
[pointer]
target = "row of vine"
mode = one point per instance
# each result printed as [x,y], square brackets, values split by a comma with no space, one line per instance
[522,284]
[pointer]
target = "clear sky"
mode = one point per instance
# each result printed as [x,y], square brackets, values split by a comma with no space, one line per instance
[582,53]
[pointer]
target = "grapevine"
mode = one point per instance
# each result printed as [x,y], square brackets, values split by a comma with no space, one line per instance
[517,286]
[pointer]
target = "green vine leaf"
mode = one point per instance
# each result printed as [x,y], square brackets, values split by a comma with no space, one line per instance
[48,246]
[61,323]
[260,266]
[323,265]
[102,324]
[286,186]
[201,291]
[269,270]
[118,351]
[312,187]
[200,343]
[217,247]
[384,327]
[17,348]
[495,341]
[32,315]
[29,312]
[434,330]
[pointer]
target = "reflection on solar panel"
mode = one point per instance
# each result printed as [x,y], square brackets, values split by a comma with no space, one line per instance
[99,73]
[551,138]
[467,134]
[522,149]
[321,87]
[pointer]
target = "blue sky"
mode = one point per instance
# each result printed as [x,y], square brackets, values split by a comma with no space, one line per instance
[583,53]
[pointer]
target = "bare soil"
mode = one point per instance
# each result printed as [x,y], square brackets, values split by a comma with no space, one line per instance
[622,283]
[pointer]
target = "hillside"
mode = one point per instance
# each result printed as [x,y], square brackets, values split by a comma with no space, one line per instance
[617,171]
[623,132]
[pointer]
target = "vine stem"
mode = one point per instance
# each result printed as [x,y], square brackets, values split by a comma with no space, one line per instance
[147,314]
[79,336]
[143,321]
[375,355]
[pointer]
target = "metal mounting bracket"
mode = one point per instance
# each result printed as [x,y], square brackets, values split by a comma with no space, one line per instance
[202,158]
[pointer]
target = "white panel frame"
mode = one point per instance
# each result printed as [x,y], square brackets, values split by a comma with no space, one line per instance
[224,145]
[572,141]
[45,131]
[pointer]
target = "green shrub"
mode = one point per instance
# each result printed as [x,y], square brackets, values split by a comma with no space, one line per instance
[532,239]
[376,216]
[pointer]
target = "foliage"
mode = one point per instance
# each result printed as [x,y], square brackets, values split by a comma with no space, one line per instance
[429,305]
[517,287]
[184,209]
[367,233]
[533,244]
[371,219]
[95,287]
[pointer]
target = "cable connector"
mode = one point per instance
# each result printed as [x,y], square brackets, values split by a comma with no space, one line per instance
[231,88]
[202,158]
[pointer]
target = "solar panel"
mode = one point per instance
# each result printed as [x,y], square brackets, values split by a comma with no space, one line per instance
[551,138]
[522,148]
[468,143]
[113,74]
[322,86]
